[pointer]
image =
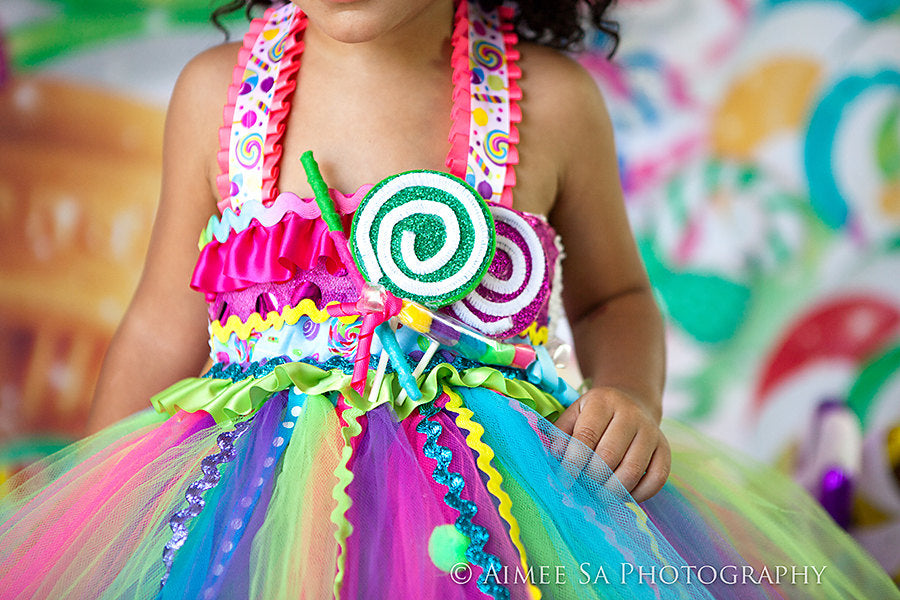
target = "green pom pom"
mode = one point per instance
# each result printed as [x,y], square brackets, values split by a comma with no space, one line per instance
[447,547]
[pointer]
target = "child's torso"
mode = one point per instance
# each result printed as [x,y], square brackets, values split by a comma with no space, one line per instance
[361,133]
[265,292]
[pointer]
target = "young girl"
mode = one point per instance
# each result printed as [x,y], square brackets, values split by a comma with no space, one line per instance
[382,417]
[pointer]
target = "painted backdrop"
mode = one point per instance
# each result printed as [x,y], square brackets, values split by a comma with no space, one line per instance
[759,145]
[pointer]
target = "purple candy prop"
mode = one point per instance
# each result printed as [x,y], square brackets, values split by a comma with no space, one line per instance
[517,284]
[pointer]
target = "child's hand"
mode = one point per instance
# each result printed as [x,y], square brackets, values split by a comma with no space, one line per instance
[624,434]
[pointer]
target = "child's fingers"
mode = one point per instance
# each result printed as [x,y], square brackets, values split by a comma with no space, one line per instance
[566,421]
[637,459]
[616,440]
[590,426]
[657,472]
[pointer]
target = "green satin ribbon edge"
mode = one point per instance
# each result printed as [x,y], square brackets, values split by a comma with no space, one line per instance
[228,402]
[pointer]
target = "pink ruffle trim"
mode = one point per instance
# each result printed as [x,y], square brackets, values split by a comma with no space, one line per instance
[265,254]
[462,77]
[510,39]
[286,83]
[254,214]
[237,75]
[307,208]
[281,106]
[461,112]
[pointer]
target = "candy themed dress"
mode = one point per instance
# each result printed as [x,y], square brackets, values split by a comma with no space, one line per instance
[378,419]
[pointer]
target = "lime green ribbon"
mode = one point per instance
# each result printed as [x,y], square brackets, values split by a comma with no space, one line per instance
[229,401]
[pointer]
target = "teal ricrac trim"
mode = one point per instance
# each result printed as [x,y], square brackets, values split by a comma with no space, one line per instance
[478,535]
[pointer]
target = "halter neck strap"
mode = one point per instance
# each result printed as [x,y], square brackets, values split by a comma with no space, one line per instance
[485,109]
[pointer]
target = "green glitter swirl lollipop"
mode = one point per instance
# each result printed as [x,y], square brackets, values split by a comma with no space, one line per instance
[424,235]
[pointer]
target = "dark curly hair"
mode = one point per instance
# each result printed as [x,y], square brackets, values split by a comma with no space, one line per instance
[559,24]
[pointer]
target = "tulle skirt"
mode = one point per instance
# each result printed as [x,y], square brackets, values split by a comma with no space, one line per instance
[467,496]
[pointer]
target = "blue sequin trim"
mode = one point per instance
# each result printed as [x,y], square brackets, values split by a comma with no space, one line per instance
[194,493]
[467,509]
[238,371]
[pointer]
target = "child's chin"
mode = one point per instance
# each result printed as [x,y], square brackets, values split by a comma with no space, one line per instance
[357,21]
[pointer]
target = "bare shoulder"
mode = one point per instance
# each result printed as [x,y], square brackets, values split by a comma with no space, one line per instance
[565,131]
[570,119]
[213,66]
[560,93]
[203,83]
[195,109]
[546,65]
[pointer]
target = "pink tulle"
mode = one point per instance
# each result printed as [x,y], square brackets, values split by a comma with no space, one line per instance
[89,505]
[397,505]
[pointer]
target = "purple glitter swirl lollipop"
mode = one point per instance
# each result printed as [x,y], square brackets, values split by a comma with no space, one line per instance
[517,284]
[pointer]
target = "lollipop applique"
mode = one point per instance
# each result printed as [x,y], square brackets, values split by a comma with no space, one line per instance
[421,240]
[424,235]
[517,284]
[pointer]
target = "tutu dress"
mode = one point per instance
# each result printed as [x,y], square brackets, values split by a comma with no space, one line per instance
[317,460]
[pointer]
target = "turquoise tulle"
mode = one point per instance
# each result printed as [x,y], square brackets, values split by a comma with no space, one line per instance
[594,524]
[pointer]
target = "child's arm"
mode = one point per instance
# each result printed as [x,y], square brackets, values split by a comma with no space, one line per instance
[163,335]
[616,324]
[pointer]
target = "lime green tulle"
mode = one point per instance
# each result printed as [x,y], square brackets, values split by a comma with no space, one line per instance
[769,517]
[18,489]
[91,520]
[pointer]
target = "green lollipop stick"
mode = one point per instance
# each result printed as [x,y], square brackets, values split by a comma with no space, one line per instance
[320,190]
[330,215]
[385,333]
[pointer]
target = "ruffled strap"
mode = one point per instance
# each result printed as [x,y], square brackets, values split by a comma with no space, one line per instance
[461,76]
[514,73]
[485,112]
[493,93]
[257,104]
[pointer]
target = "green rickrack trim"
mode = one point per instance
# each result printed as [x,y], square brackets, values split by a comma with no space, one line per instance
[343,501]
[229,401]
[454,482]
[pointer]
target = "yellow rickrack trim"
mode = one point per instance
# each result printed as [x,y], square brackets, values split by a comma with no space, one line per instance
[642,525]
[537,334]
[339,493]
[289,316]
[494,478]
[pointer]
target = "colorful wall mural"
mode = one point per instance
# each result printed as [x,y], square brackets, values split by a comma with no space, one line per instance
[83,90]
[759,146]
[760,152]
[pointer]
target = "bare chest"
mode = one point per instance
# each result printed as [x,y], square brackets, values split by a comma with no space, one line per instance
[365,131]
